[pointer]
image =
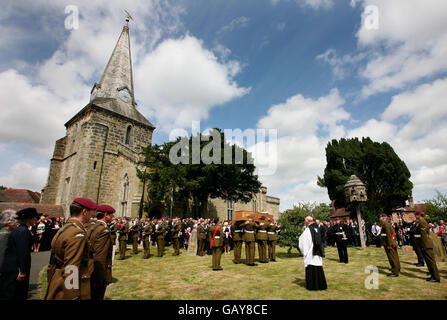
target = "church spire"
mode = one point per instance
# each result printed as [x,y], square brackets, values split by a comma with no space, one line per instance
[117,80]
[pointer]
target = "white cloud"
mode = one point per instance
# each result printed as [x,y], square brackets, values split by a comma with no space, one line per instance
[314,4]
[239,22]
[180,81]
[281,26]
[409,45]
[25,176]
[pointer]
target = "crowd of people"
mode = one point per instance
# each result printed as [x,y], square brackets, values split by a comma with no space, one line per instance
[87,239]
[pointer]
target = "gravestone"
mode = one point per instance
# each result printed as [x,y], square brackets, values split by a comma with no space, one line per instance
[192,246]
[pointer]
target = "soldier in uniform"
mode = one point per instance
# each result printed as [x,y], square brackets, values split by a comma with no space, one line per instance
[134,232]
[175,233]
[422,239]
[261,239]
[160,232]
[340,231]
[147,231]
[271,234]
[69,250]
[113,229]
[201,238]
[411,232]
[122,230]
[216,243]
[237,241]
[101,248]
[249,239]
[388,241]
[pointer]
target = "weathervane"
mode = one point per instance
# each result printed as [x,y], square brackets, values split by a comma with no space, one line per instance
[129,17]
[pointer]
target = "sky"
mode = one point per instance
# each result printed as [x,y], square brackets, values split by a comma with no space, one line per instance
[310,70]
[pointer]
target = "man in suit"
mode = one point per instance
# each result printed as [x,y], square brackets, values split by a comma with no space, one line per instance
[340,234]
[101,248]
[216,243]
[423,240]
[70,255]
[388,241]
[15,269]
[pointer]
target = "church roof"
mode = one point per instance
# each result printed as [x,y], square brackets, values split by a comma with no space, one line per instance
[117,79]
[21,195]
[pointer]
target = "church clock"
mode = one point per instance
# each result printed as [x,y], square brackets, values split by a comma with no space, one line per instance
[125,95]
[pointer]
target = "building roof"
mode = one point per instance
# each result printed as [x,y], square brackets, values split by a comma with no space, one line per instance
[21,195]
[4,197]
[117,76]
[338,212]
[52,210]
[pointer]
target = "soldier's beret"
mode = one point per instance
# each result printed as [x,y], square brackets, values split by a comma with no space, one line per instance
[27,213]
[105,208]
[86,203]
[383,215]
[336,219]
[419,213]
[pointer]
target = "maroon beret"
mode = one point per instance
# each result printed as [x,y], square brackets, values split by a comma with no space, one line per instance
[336,219]
[105,208]
[383,215]
[419,213]
[86,203]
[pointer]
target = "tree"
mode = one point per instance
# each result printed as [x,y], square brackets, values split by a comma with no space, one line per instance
[172,171]
[436,208]
[385,175]
[292,222]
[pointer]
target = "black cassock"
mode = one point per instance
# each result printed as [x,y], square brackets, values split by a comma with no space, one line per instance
[315,278]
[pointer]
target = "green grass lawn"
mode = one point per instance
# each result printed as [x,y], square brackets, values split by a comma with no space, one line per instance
[186,277]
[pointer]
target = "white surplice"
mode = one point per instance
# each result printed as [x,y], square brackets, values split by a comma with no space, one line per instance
[306,246]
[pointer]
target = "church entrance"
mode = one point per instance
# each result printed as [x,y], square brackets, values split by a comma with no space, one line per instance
[156,212]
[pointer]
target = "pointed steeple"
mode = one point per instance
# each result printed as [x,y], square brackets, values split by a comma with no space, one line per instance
[117,76]
[115,90]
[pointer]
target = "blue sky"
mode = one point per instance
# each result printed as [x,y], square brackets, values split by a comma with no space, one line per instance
[311,69]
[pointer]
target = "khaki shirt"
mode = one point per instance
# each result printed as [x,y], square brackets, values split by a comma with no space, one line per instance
[386,235]
[238,231]
[262,231]
[422,235]
[249,232]
[101,251]
[70,249]
[123,231]
[176,229]
[218,239]
[271,232]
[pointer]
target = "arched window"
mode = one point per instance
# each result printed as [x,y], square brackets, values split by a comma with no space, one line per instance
[255,205]
[125,196]
[128,133]
[230,209]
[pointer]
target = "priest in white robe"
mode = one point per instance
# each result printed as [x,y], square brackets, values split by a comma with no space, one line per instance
[311,247]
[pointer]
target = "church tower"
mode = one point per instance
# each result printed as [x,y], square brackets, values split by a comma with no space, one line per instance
[103,144]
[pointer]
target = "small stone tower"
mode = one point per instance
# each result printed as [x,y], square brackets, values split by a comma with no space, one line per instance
[99,155]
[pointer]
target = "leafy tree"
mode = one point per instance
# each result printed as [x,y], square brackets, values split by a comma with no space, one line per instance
[199,181]
[292,222]
[436,208]
[3,188]
[385,175]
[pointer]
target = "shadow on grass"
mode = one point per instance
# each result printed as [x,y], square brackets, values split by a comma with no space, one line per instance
[409,275]
[114,280]
[285,255]
[300,282]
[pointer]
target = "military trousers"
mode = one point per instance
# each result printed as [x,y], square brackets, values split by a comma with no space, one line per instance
[262,250]
[160,247]
[429,257]
[11,289]
[393,258]
[250,252]
[135,243]
[272,250]
[201,247]
[176,245]
[342,251]
[216,256]
[237,250]
[146,247]
[123,247]
[98,286]
[419,254]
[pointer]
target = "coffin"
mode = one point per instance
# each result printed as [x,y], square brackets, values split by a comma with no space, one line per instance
[242,215]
